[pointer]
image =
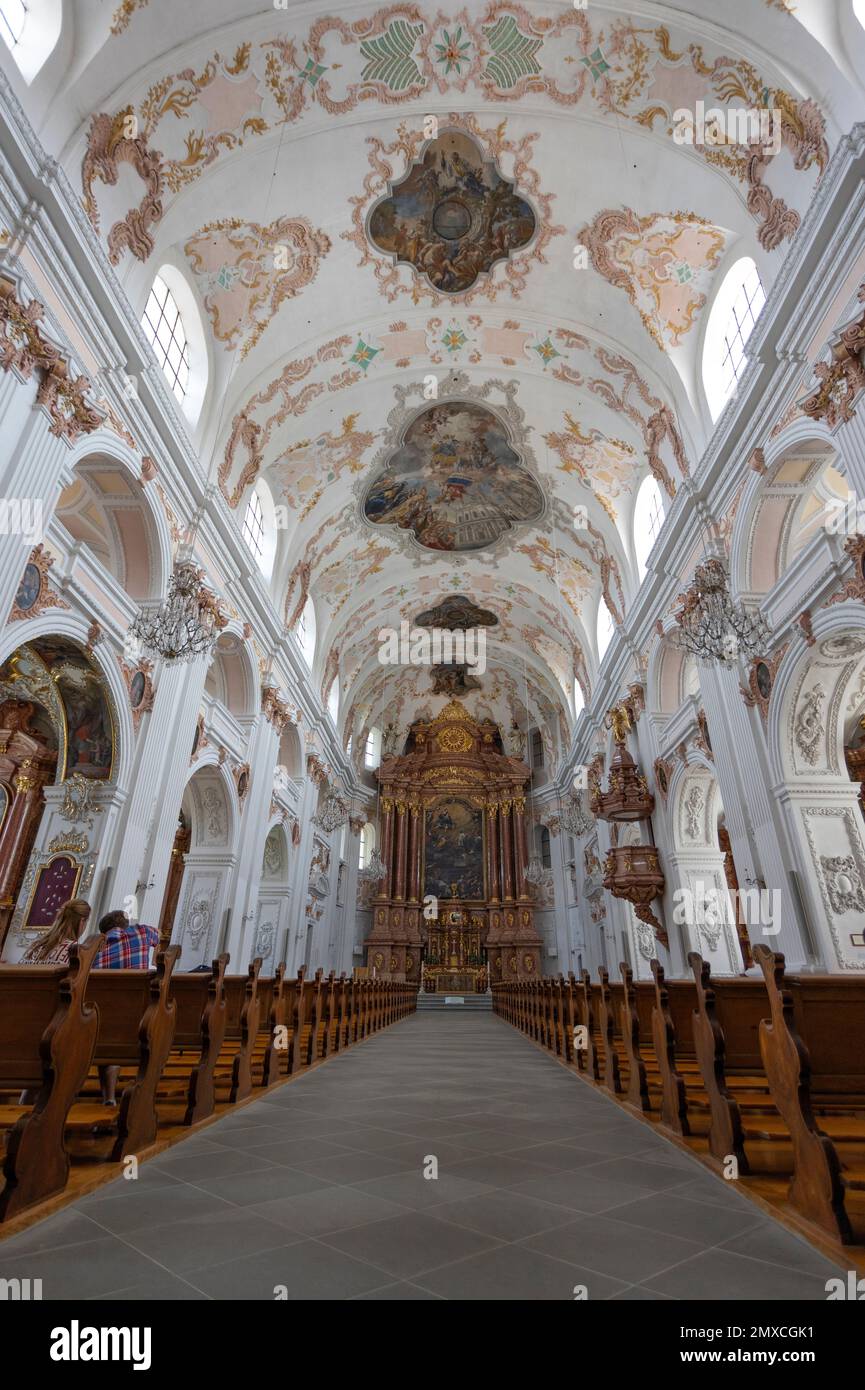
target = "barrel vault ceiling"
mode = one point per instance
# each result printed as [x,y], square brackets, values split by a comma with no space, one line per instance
[284,160]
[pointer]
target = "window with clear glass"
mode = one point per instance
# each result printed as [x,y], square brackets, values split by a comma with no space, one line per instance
[732,320]
[164,328]
[253,526]
[579,699]
[13,17]
[648,519]
[605,629]
[537,748]
[372,750]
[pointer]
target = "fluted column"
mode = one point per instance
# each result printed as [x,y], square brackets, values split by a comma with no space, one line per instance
[507,861]
[493,851]
[399,890]
[520,854]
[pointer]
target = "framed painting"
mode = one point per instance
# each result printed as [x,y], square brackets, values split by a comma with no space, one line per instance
[454,850]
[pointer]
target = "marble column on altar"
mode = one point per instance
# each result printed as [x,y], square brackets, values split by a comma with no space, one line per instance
[520,854]
[399,888]
[19,831]
[492,851]
[414,853]
[387,849]
[507,861]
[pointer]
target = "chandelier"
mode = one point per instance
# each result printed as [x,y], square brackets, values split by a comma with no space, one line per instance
[712,627]
[186,625]
[534,872]
[574,818]
[374,871]
[333,814]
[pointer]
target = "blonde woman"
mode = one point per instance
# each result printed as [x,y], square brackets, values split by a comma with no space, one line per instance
[53,947]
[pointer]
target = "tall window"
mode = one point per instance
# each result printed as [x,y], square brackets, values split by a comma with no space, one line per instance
[734,314]
[372,751]
[367,845]
[164,327]
[13,17]
[537,748]
[253,526]
[859,11]
[333,700]
[648,517]
[543,844]
[579,699]
[605,629]
[306,632]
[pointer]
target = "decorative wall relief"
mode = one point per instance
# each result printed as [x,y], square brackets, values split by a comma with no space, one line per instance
[843,883]
[808,725]
[694,809]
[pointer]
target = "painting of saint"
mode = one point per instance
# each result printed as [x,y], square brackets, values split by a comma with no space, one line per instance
[454,850]
[90,742]
[454,481]
[453,216]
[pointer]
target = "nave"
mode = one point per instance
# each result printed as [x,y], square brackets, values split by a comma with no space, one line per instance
[545,1188]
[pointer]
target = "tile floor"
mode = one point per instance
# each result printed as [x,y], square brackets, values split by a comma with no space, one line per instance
[320,1191]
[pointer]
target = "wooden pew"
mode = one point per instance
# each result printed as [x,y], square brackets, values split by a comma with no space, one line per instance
[136,1027]
[47,1037]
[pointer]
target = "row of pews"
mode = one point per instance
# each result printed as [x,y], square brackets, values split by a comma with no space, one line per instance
[187,1045]
[763,1077]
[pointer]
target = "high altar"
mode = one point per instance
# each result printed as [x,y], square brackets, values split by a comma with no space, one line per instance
[454,903]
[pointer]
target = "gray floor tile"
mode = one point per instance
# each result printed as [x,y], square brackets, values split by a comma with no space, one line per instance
[404,1246]
[305,1271]
[609,1246]
[512,1273]
[329,1209]
[504,1214]
[719,1275]
[182,1246]
[81,1271]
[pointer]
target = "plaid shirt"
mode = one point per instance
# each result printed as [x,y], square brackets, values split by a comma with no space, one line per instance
[127,948]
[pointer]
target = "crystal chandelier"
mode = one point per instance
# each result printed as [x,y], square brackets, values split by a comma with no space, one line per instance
[712,627]
[574,819]
[534,872]
[186,625]
[333,814]
[374,871]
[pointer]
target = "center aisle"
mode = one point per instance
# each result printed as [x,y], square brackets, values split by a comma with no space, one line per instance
[319,1192]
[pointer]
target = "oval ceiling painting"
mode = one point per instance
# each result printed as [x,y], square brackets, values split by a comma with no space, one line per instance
[453,216]
[455,481]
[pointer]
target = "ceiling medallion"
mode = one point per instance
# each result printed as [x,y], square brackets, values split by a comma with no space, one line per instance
[454,481]
[452,216]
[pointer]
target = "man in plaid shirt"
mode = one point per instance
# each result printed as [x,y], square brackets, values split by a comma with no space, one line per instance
[126,946]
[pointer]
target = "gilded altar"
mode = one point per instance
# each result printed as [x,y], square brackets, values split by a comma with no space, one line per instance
[454,839]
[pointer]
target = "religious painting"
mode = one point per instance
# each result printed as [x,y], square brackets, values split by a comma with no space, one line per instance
[453,216]
[456,613]
[455,481]
[56,884]
[29,589]
[137,687]
[454,850]
[89,727]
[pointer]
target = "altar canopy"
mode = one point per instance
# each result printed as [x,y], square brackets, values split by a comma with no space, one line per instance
[454,905]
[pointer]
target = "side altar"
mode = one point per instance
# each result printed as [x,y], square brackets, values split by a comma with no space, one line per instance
[454,839]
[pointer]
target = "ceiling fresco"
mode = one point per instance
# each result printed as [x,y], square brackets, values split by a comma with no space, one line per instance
[455,481]
[378,213]
[452,216]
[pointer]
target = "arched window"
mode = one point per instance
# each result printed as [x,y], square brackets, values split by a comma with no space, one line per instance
[542,841]
[372,750]
[253,525]
[30,30]
[859,11]
[648,518]
[306,632]
[164,327]
[536,744]
[579,699]
[605,629]
[731,322]
[367,845]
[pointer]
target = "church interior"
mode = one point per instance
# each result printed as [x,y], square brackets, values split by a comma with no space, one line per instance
[432,681]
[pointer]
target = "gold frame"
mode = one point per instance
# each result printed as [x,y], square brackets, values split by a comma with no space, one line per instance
[26,925]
